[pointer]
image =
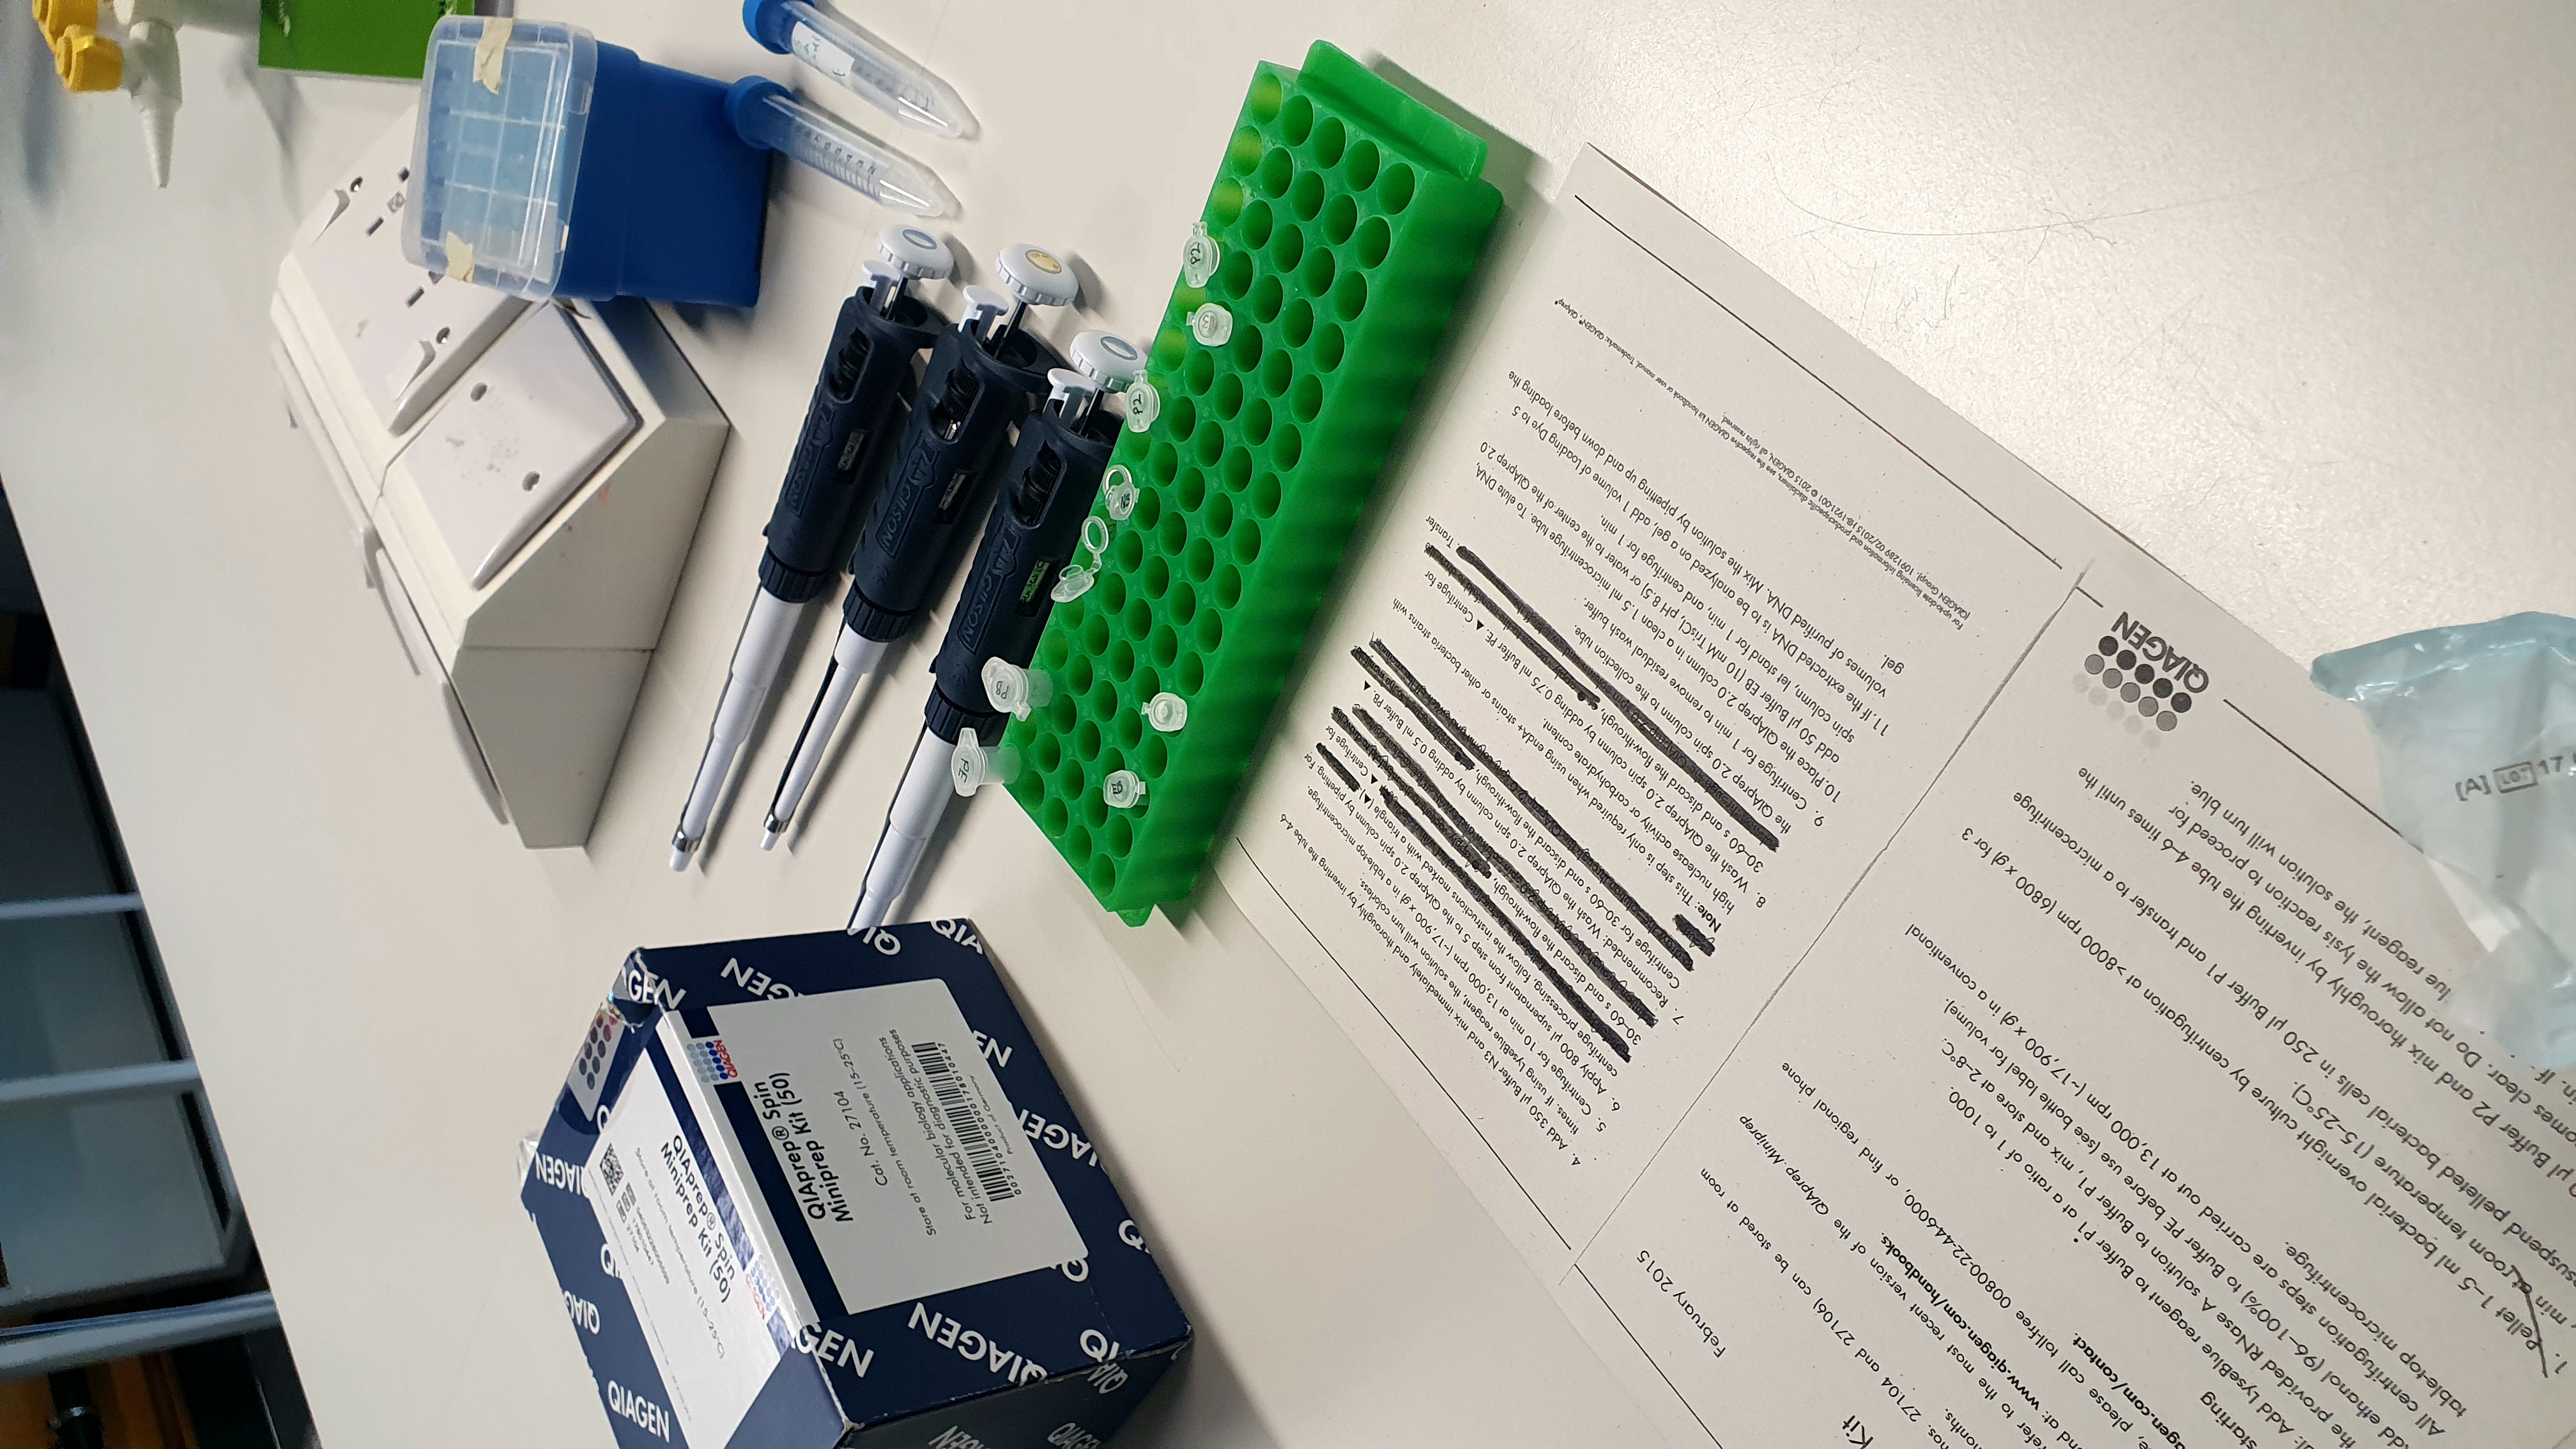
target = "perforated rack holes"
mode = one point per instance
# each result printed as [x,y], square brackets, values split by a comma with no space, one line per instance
[1343,221]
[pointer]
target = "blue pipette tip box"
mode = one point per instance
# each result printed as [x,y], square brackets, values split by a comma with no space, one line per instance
[574,168]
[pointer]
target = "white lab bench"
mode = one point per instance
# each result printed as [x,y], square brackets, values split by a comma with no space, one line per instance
[2280,290]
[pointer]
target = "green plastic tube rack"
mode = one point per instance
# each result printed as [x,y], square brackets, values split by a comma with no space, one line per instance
[1346,218]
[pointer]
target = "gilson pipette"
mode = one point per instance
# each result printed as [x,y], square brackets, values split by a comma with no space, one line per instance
[984,374]
[881,329]
[1037,522]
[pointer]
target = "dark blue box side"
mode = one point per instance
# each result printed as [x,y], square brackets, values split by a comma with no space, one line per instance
[1100,1330]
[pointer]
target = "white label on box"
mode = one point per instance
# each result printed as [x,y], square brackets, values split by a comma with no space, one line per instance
[706,1312]
[904,1159]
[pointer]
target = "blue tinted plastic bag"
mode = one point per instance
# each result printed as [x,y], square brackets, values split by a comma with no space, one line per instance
[2477,757]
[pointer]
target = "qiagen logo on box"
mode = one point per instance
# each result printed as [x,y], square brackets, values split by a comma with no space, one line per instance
[712,1062]
[2144,668]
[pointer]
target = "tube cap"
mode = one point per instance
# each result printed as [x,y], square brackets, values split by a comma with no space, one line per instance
[740,97]
[87,60]
[1036,276]
[55,16]
[769,23]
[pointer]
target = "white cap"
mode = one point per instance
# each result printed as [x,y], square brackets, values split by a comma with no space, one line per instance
[1108,357]
[1199,256]
[916,253]
[1037,276]
[1118,491]
[1074,582]
[969,766]
[1143,406]
[1011,689]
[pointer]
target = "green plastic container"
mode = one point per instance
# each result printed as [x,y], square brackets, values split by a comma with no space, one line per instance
[1347,217]
[351,37]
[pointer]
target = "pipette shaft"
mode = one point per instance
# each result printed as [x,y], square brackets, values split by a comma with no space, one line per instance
[765,632]
[919,803]
[853,660]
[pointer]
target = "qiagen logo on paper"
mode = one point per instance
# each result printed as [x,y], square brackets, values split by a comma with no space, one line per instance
[2145,669]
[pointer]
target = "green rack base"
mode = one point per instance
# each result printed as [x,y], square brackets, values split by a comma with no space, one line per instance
[1348,216]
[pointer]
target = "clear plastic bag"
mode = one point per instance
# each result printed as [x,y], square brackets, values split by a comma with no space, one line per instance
[2477,757]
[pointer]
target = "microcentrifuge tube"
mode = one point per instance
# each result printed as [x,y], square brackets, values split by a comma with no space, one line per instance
[1143,405]
[1199,255]
[1122,790]
[1166,712]
[966,763]
[1015,691]
[1211,324]
[973,764]
[1071,584]
[1118,492]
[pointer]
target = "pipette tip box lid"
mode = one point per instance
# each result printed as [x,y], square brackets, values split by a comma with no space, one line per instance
[814,1191]
[567,167]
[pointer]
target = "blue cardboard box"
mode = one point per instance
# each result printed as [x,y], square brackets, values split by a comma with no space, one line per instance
[817,1191]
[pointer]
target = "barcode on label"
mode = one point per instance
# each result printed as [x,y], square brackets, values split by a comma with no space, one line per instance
[610,1172]
[974,1133]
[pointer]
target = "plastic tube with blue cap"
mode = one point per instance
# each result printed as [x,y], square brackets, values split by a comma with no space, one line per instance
[862,64]
[765,115]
